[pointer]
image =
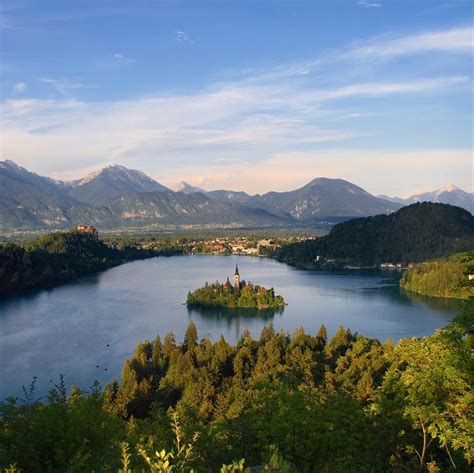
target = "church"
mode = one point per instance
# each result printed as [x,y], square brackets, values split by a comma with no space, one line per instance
[236,279]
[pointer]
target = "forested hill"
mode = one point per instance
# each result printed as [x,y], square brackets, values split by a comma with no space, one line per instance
[414,233]
[445,277]
[57,258]
[299,403]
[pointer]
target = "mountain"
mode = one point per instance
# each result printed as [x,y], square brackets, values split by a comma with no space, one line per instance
[187,188]
[116,196]
[449,194]
[230,196]
[397,200]
[178,208]
[414,233]
[323,197]
[28,200]
[104,186]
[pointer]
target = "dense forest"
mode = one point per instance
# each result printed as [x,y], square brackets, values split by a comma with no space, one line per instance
[299,403]
[446,277]
[414,233]
[60,257]
[245,296]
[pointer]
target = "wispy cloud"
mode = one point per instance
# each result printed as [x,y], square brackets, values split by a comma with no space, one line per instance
[182,37]
[369,4]
[281,173]
[259,120]
[64,87]
[122,58]
[456,40]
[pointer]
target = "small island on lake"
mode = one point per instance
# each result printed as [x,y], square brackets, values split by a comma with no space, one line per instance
[241,294]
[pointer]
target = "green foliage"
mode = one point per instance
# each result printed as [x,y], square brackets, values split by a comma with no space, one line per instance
[299,403]
[246,296]
[448,277]
[57,258]
[66,433]
[414,233]
[429,383]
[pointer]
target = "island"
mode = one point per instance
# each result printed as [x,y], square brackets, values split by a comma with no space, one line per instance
[241,294]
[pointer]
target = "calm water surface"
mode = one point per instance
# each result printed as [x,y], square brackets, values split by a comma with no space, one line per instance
[86,329]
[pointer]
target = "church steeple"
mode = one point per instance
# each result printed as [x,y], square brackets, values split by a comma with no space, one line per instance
[236,277]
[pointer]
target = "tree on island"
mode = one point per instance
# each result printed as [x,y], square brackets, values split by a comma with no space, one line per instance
[242,294]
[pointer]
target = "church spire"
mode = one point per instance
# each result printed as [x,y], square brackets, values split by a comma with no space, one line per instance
[236,277]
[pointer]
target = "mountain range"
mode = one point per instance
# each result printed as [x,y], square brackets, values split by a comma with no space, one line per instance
[115,197]
[449,194]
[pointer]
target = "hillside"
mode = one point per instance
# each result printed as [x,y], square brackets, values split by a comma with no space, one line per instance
[179,208]
[413,234]
[446,277]
[57,258]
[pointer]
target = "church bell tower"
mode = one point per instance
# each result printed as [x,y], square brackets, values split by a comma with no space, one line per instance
[236,277]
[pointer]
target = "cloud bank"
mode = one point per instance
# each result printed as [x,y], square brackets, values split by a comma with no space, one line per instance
[247,132]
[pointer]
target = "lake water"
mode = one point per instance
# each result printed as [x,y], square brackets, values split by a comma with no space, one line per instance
[86,329]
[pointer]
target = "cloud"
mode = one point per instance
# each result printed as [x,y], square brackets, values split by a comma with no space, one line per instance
[368,4]
[456,40]
[121,58]
[282,174]
[363,53]
[64,87]
[182,37]
[166,132]
[20,88]
[375,89]
[231,127]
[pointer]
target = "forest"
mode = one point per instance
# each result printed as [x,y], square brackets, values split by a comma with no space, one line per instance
[413,234]
[60,257]
[245,296]
[282,403]
[446,277]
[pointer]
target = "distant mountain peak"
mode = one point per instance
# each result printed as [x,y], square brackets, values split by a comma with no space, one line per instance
[89,177]
[187,188]
[103,186]
[8,163]
[448,194]
[448,188]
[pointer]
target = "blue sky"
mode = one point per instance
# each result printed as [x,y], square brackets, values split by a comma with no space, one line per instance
[251,95]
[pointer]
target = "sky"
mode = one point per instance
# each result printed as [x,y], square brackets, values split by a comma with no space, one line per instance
[252,95]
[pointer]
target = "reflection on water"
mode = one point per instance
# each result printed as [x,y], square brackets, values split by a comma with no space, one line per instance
[87,329]
[434,303]
[232,318]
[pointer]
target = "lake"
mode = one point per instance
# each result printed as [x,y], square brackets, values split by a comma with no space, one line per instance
[86,329]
